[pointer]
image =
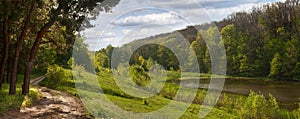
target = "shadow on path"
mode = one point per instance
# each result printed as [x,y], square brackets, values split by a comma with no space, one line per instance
[53,105]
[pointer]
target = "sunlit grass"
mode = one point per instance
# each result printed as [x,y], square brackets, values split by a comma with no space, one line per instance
[17,101]
[229,105]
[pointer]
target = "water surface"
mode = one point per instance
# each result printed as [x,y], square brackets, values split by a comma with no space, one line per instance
[286,92]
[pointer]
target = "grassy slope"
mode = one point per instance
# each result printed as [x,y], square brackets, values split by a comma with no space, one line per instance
[229,106]
[126,102]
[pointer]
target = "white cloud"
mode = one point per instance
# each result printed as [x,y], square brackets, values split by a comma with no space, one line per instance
[129,35]
[191,4]
[90,32]
[162,19]
[115,41]
[109,35]
[126,31]
[221,13]
[142,32]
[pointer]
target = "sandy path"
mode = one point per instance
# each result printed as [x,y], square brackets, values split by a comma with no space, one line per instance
[53,105]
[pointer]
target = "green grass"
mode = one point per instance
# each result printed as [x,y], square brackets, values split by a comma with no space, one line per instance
[228,106]
[121,99]
[17,101]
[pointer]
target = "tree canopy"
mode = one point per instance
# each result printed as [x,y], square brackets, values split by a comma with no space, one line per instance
[41,28]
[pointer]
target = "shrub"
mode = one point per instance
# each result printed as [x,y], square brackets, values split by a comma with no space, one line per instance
[173,76]
[139,76]
[257,106]
[57,73]
[297,71]
[296,113]
[14,102]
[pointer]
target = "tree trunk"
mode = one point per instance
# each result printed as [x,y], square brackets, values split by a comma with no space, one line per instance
[5,46]
[12,88]
[34,49]
[8,69]
[8,66]
[26,83]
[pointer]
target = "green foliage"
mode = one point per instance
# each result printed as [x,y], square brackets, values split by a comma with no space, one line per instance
[160,54]
[141,60]
[200,48]
[150,62]
[57,73]
[139,76]
[70,62]
[296,113]
[257,106]
[173,76]
[229,105]
[10,102]
[60,79]
[17,101]
[169,91]
[230,38]
[29,99]
[101,60]
[252,40]
[257,43]
[296,71]
[277,67]
[284,63]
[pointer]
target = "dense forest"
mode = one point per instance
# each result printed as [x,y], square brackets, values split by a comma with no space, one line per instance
[39,33]
[263,42]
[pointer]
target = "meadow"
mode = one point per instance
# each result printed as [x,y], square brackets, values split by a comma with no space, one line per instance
[229,105]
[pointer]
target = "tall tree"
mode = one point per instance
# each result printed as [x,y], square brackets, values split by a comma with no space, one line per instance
[200,49]
[39,16]
[277,67]
[4,41]
[232,40]
[18,47]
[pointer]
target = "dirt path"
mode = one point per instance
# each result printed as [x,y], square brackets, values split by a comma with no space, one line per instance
[53,105]
[37,80]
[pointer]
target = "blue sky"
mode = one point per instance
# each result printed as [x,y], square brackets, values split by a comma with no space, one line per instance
[135,19]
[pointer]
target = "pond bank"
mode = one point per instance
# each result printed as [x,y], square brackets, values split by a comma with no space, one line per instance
[286,92]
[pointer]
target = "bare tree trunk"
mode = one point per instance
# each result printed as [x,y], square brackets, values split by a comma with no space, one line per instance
[8,67]
[12,88]
[33,52]
[26,82]
[5,45]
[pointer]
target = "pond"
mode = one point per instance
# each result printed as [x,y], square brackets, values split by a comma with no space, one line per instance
[286,92]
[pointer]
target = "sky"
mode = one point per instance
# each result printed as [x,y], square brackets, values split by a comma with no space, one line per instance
[135,19]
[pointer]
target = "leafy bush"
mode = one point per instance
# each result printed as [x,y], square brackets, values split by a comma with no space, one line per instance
[297,71]
[169,91]
[57,73]
[257,106]
[139,76]
[173,76]
[295,114]
[60,79]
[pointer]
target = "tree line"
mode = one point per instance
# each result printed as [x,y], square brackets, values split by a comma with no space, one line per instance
[263,42]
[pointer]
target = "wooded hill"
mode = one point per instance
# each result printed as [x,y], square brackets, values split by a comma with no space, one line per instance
[263,42]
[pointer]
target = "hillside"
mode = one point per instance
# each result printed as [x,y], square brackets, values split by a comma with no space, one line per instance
[258,43]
